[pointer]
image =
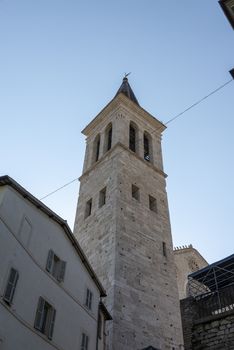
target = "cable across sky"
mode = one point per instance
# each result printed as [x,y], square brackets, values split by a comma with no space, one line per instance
[169,121]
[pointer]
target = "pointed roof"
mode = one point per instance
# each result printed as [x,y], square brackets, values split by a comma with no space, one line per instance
[126,89]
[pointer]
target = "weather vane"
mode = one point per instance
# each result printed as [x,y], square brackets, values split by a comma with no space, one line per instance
[126,74]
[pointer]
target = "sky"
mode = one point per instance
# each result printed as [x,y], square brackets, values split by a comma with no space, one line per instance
[62,61]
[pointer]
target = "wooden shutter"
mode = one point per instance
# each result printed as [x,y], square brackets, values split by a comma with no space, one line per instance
[86,342]
[51,322]
[61,272]
[90,299]
[11,285]
[50,259]
[83,342]
[39,314]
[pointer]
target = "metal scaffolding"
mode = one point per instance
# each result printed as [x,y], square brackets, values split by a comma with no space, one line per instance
[213,287]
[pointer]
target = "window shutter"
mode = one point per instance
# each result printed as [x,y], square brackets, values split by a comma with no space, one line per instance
[61,272]
[11,285]
[51,324]
[50,260]
[83,342]
[86,342]
[87,298]
[90,299]
[39,314]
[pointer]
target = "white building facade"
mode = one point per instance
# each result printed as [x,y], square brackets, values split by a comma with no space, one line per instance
[49,294]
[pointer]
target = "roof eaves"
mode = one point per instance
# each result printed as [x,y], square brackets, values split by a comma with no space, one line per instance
[7,180]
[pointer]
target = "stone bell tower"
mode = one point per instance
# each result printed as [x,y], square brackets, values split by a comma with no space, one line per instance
[123,225]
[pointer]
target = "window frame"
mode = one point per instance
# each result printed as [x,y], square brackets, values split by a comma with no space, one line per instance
[56,266]
[45,318]
[84,341]
[88,208]
[102,197]
[153,205]
[10,286]
[135,192]
[89,299]
[147,147]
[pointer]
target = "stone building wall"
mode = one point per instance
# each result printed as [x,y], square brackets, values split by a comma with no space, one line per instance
[187,260]
[128,244]
[214,332]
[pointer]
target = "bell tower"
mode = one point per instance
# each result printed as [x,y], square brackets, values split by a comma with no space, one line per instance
[123,225]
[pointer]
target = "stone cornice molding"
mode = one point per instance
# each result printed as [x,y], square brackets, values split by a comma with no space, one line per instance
[119,144]
[114,104]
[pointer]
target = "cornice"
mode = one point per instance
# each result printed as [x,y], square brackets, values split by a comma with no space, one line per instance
[119,144]
[114,104]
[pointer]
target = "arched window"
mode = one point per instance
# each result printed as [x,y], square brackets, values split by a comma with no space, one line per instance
[147,147]
[108,138]
[132,137]
[96,148]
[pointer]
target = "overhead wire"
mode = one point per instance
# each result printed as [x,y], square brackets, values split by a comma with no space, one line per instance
[169,121]
[60,188]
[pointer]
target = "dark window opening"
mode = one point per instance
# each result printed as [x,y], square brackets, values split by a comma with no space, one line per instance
[146,148]
[164,247]
[55,266]
[45,318]
[102,197]
[10,287]
[109,138]
[153,204]
[84,342]
[132,138]
[99,325]
[88,208]
[135,192]
[97,149]
[89,298]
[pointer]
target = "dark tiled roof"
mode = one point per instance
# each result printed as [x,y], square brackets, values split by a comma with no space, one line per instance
[126,89]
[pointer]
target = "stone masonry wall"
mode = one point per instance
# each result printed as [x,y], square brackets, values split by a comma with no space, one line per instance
[214,333]
[210,333]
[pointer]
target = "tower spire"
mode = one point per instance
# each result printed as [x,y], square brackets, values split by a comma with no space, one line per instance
[126,89]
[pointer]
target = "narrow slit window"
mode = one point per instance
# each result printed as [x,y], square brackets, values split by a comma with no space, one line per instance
[153,204]
[135,192]
[146,148]
[97,148]
[109,138]
[88,208]
[164,249]
[102,197]
[132,138]
[11,286]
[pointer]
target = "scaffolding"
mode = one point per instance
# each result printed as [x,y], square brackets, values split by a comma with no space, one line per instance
[213,287]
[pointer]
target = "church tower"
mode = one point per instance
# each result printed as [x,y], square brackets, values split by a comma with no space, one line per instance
[122,224]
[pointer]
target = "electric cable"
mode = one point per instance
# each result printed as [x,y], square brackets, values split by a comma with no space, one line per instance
[60,188]
[169,121]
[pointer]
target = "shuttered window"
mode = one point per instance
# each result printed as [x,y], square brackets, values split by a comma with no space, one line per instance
[45,318]
[84,342]
[89,298]
[55,266]
[11,285]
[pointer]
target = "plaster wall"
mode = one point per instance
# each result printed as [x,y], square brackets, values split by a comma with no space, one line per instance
[28,254]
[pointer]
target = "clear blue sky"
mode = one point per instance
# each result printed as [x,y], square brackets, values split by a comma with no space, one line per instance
[61,62]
